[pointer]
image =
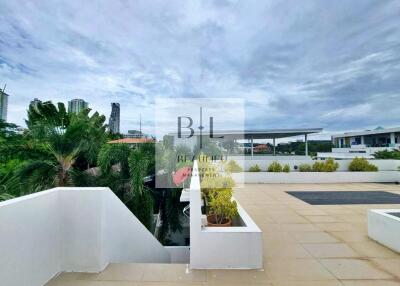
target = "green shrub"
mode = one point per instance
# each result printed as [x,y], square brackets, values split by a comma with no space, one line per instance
[385,154]
[255,168]
[318,166]
[274,167]
[232,167]
[328,165]
[362,165]
[222,206]
[286,168]
[331,165]
[305,168]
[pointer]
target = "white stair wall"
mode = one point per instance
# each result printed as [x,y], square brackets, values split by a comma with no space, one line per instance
[70,229]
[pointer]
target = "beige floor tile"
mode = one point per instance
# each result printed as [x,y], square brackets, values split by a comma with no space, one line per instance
[311,211]
[373,249]
[293,218]
[172,273]
[357,218]
[278,237]
[93,283]
[350,236]
[297,269]
[370,283]
[237,276]
[341,211]
[354,269]
[322,218]
[314,237]
[326,250]
[285,250]
[299,227]
[391,265]
[335,226]
[308,283]
[182,283]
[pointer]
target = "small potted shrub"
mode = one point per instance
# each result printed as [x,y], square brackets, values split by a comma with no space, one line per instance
[275,167]
[286,168]
[222,209]
[255,168]
[362,165]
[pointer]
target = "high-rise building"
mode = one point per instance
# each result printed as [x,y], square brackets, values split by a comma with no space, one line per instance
[3,104]
[77,105]
[34,103]
[114,118]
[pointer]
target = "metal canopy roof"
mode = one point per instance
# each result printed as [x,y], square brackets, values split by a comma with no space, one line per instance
[262,133]
[278,133]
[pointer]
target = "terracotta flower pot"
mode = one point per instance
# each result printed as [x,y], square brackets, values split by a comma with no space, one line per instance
[211,222]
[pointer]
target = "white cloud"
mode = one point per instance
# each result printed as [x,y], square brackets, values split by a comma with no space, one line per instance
[297,64]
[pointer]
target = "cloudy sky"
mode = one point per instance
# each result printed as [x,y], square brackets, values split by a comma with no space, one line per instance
[329,64]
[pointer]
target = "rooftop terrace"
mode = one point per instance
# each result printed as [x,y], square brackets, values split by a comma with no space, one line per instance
[303,245]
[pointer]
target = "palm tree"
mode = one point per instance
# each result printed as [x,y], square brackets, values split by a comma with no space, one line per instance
[123,169]
[66,137]
[139,195]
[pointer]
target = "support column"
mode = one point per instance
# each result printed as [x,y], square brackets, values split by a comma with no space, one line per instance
[362,140]
[392,138]
[306,143]
[251,147]
[274,145]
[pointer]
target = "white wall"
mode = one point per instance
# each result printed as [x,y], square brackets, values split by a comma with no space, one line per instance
[29,239]
[222,247]
[70,229]
[385,228]
[179,254]
[316,177]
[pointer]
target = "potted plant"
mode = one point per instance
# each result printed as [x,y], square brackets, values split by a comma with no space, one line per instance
[222,209]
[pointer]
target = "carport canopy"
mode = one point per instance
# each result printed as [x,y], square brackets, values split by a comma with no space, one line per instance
[268,134]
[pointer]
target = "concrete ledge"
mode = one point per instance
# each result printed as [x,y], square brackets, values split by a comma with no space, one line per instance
[179,254]
[385,228]
[222,247]
[316,177]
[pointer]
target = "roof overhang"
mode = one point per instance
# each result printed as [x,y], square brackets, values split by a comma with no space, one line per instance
[260,133]
[367,132]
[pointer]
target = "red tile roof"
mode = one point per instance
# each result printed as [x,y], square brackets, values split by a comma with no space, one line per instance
[132,141]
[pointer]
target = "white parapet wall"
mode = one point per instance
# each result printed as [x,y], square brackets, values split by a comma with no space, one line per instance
[222,247]
[316,177]
[385,228]
[70,229]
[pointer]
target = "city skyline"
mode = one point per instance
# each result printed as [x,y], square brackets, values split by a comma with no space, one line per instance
[329,65]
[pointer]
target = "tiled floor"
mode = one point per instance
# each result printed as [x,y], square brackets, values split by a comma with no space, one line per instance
[303,245]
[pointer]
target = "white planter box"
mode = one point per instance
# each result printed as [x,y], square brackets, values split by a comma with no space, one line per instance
[316,177]
[385,228]
[238,247]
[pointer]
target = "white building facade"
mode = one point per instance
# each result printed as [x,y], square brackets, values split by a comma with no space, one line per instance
[363,143]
